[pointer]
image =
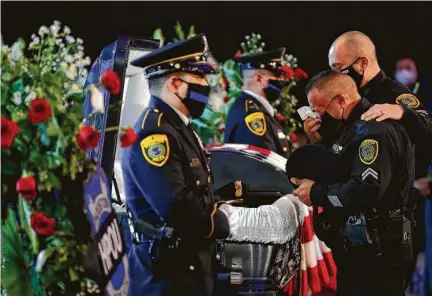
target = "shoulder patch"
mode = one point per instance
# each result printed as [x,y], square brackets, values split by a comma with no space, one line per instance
[368,151]
[408,100]
[155,149]
[256,123]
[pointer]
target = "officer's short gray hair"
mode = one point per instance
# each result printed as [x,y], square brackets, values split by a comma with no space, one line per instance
[332,81]
[156,85]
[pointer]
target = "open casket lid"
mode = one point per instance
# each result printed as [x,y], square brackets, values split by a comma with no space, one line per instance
[263,171]
[132,99]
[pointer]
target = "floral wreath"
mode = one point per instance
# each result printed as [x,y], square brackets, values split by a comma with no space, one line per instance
[44,162]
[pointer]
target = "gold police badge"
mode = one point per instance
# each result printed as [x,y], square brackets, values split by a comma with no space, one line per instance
[156,149]
[408,100]
[368,151]
[255,122]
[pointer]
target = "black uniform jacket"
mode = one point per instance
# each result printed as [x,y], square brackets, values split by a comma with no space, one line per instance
[416,121]
[375,163]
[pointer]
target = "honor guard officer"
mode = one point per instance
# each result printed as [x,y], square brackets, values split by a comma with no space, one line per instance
[169,191]
[251,119]
[366,208]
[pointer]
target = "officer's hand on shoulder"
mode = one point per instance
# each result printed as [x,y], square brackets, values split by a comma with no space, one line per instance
[311,126]
[382,112]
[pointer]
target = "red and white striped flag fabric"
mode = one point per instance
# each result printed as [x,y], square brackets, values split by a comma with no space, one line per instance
[317,267]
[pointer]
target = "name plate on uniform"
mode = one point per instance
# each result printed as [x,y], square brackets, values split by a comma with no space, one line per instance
[106,232]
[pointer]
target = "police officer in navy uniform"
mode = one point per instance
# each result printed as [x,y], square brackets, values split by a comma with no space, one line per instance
[169,192]
[251,119]
[366,208]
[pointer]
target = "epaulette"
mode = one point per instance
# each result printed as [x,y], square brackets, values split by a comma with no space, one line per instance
[251,106]
[152,118]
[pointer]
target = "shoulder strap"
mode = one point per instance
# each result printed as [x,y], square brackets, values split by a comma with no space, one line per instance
[251,106]
[152,117]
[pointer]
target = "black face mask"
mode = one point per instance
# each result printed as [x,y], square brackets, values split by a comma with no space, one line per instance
[196,99]
[357,77]
[274,89]
[331,128]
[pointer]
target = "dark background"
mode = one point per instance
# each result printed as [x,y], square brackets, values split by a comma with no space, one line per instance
[307,29]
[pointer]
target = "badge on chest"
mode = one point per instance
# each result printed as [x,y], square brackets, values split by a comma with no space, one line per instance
[195,162]
[336,149]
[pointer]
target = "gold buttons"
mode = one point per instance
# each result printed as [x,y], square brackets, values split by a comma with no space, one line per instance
[191,267]
[156,110]
[217,257]
[285,149]
[198,182]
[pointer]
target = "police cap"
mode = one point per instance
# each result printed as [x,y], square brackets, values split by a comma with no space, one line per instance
[190,56]
[268,60]
[314,162]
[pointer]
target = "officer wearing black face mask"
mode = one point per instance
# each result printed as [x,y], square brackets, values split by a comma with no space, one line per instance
[251,119]
[354,53]
[365,196]
[169,192]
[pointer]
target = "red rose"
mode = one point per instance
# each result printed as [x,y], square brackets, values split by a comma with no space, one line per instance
[281,119]
[237,54]
[26,186]
[288,73]
[128,137]
[222,130]
[9,130]
[40,110]
[87,137]
[42,224]
[227,99]
[293,137]
[224,82]
[111,81]
[300,74]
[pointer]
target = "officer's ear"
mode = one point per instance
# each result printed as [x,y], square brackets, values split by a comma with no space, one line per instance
[340,99]
[258,78]
[363,63]
[174,84]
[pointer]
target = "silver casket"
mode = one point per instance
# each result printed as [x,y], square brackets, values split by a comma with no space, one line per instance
[246,267]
